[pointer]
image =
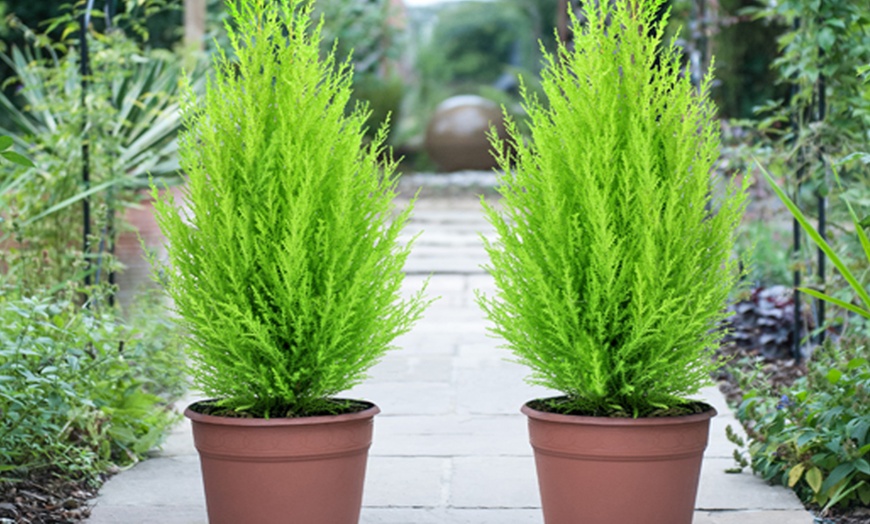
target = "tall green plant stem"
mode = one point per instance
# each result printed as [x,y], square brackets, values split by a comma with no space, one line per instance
[613,261]
[284,260]
[864,297]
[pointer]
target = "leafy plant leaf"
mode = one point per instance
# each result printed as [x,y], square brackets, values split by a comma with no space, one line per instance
[12,156]
[795,474]
[836,476]
[823,244]
[814,478]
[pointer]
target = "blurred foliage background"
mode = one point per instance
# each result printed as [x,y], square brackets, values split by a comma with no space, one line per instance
[409,59]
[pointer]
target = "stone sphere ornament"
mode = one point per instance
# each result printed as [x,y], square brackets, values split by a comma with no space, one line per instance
[456,137]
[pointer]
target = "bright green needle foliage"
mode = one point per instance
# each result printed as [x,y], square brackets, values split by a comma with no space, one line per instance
[284,263]
[612,270]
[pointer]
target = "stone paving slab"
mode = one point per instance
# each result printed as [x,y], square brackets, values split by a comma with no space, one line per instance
[454,516]
[407,481]
[719,490]
[753,517]
[533,516]
[375,515]
[450,446]
[494,482]
[408,398]
[451,436]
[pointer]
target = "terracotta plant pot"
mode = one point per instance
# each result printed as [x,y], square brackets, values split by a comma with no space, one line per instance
[284,470]
[599,470]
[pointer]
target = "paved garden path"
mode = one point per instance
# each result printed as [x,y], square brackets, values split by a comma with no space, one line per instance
[450,445]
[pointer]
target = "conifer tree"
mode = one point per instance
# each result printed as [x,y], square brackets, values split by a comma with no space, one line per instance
[284,261]
[613,261]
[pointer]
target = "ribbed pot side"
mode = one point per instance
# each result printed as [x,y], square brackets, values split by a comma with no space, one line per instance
[598,470]
[284,470]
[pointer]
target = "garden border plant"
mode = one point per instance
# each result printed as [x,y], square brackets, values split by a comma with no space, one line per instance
[284,266]
[82,391]
[814,435]
[613,265]
[131,117]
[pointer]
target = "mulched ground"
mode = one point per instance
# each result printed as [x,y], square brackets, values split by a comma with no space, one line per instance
[761,335]
[857,516]
[45,499]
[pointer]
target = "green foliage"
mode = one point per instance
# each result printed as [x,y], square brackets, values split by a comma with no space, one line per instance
[612,269]
[132,111]
[831,41]
[842,267]
[129,121]
[383,96]
[7,153]
[815,436]
[739,455]
[821,55]
[369,34]
[79,388]
[744,47]
[365,31]
[477,42]
[769,262]
[284,262]
[155,22]
[477,48]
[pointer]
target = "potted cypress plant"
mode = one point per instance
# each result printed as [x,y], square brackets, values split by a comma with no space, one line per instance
[285,268]
[613,265]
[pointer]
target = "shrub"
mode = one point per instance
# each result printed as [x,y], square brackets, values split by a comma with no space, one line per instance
[611,266]
[284,265]
[81,389]
[815,435]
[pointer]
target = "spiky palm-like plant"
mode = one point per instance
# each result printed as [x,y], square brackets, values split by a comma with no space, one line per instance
[284,263]
[613,261]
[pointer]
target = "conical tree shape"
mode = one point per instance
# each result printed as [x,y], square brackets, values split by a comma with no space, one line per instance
[284,263]
[612,268]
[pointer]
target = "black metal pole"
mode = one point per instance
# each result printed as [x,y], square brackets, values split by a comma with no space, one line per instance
[86,160]
[111,235]
[107,235]
[796,249]
[821,202]
[796,228]
[110,222]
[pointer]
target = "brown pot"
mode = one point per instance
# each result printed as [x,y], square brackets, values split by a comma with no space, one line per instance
[599,470]
[283,470]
